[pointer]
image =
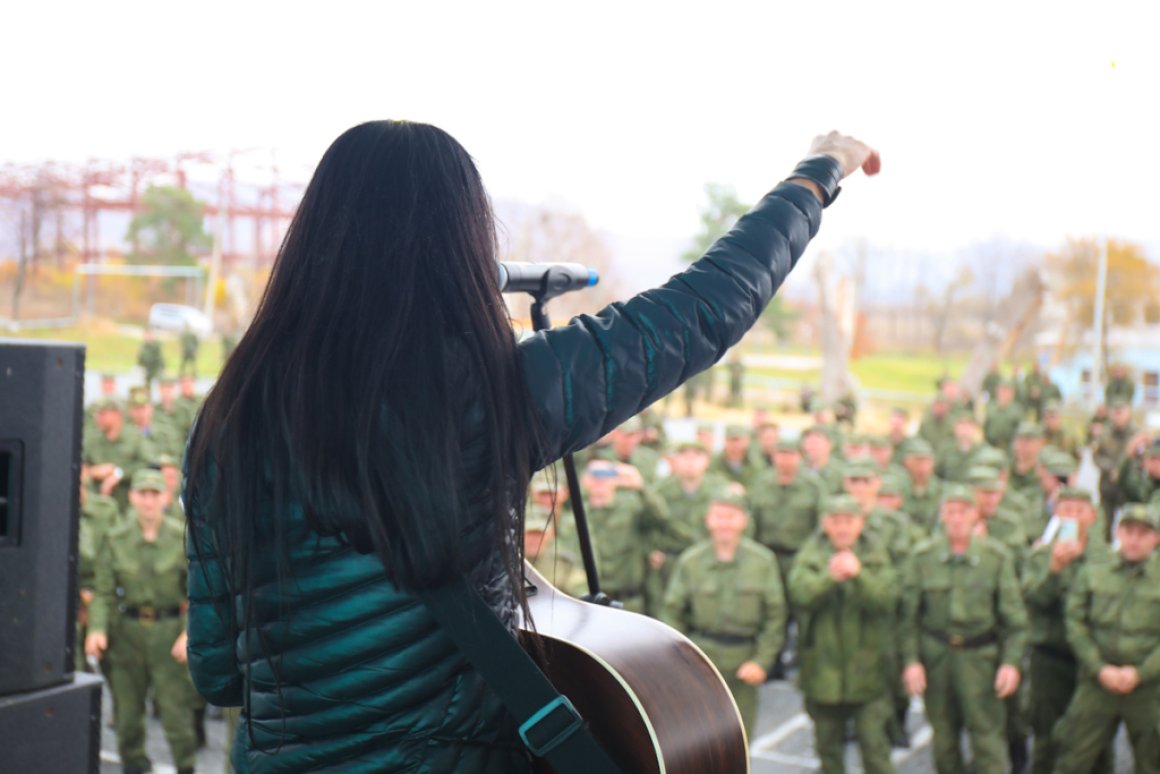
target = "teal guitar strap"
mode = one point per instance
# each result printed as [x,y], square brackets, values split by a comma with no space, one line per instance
[550,727]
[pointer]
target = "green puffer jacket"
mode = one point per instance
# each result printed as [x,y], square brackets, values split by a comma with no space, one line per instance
[369,681]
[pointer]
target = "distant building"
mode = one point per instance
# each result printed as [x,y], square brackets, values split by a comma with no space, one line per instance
[1137,347]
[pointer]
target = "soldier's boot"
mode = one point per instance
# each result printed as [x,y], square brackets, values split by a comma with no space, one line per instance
[199,727]
[185,770]
[1017,751]
[144,769]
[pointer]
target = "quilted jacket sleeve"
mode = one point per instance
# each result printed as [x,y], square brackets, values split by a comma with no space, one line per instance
[589,376]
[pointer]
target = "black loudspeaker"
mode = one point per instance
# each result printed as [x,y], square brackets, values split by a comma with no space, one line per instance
[41,394]
[52,730]
[57,729]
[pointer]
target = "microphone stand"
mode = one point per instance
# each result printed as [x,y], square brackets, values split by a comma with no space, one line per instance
[540,322]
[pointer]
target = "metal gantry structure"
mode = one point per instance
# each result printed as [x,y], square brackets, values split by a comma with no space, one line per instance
[54,209]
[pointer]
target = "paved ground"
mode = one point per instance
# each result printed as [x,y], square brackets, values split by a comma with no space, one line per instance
[783,743]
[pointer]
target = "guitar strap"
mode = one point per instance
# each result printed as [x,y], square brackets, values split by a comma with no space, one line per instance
[550,727]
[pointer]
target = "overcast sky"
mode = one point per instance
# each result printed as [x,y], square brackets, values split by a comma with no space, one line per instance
[995,120]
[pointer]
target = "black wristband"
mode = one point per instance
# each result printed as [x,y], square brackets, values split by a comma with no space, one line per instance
[823,170]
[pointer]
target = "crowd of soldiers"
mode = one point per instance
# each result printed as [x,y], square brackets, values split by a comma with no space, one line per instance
[960,562]
[132,566]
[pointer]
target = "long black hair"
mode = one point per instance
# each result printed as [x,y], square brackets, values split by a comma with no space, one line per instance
[382,324]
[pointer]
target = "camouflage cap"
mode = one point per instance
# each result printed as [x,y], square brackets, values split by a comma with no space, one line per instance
[537,518]
[707,427]
[1058,463]
[1006,382]
[542,482]
[1028,429]
[789,445]
[107,404]
[736,431]
[1052,407]
[731,494]
[1141,514]
[857,439]
[878,441]
[982,477]
[860,469]
[138,397]
[1118,402]
[148,479]
[892,484]
[167,381]
[108,376]
[963,415]
[917,447]
[166,461]
[631,425]
[684,446]
[840,504]
[957,493]
[1074,493]
[990,457]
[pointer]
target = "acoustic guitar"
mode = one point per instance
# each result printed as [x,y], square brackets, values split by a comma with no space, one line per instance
[652,699]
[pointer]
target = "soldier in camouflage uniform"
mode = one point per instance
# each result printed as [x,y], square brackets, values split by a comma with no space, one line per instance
[843,591]
[188,401]
[1004,414]
[168,412]
[764,446]
[734,462]
[150,358]
[991,382]
[726,596]
[896,534]
[1140,473]
[1049,572]
[955,458]
[936,428]
[116,452]
[1023,474]
[964,628]
[899,419]
[162,437]
[1120,386]
[189,346]
[622,515]
[1113,627]
[818,449]
[137,621]
[686,494]
[784,503]
[562,568]
[1110,452]
[625,445]
[1006,527]
[924,489]
[1054,434]
[99,514]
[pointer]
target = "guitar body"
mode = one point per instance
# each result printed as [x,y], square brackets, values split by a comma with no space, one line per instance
[651,698]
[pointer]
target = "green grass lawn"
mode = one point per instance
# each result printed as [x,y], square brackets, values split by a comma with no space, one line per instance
[903,372]
[108,348]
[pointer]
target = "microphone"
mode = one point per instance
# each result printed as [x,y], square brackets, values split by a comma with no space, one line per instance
[545,280]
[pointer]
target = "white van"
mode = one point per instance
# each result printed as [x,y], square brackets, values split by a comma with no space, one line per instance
[176,318]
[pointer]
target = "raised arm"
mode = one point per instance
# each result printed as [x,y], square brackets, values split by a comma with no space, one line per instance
[591,375]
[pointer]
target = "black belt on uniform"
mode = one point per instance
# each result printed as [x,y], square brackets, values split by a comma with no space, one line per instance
[151,614]
[959,642]
[724,639]
[1059,654]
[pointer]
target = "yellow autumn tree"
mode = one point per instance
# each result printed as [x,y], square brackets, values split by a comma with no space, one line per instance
[1133,286]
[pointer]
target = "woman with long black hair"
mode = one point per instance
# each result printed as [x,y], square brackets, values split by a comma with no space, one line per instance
[374,432]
